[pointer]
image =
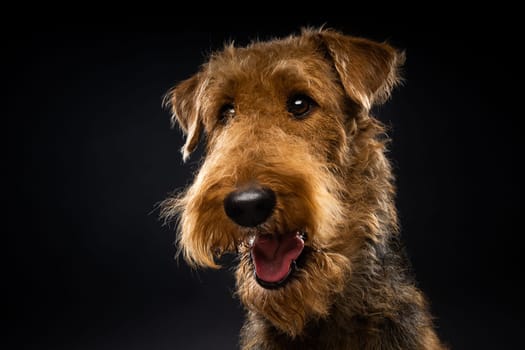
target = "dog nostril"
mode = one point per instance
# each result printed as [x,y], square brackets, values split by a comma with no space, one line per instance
[250,207]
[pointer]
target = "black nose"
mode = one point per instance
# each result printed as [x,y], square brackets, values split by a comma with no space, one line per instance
[251,206]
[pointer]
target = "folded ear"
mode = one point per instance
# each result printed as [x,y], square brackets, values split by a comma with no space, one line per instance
[368,70]
[184,100]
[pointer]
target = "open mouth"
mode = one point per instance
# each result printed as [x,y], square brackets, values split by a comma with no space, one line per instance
[274,257]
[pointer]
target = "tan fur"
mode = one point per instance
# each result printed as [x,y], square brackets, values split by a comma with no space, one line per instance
[331,178]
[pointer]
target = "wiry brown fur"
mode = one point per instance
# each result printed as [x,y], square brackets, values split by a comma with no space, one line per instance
[331,178]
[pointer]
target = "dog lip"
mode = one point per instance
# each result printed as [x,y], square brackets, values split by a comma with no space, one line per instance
[278,284]
[251,237]
[274,256]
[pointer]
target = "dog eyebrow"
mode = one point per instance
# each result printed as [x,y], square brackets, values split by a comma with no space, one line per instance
[289,66]
[298,74]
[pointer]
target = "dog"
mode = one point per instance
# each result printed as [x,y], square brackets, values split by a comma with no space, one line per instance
[295,182]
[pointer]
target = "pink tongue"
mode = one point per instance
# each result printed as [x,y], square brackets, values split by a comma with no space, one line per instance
[273,255]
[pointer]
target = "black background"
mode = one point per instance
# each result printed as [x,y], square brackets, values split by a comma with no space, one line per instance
[90,153]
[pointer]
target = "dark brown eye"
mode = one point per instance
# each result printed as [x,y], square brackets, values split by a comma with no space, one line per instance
[226,112]
[300,105]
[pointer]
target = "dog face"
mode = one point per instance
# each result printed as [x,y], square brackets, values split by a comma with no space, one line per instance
[289,141]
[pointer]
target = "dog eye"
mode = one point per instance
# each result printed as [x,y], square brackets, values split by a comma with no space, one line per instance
[226,112]
[300,105]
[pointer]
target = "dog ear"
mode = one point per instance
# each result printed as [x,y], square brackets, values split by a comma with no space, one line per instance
[368,70]
[185,106]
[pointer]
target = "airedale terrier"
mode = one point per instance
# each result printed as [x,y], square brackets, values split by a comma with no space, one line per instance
[296,182]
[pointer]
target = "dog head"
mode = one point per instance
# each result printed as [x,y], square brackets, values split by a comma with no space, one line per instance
[294,178]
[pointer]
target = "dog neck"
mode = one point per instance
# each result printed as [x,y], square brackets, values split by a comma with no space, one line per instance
[364,315]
